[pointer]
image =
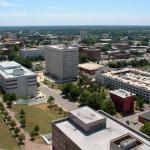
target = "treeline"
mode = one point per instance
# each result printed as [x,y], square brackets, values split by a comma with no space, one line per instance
[88,93]
[134,63]
[20,59]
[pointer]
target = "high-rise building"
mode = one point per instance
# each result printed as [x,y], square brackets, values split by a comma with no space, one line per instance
[62,62]
[15,78]
[84,34]
[86,129]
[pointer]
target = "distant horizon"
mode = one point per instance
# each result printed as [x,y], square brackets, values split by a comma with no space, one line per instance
[75,25]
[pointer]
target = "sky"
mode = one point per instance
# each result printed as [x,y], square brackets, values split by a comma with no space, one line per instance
[74,12]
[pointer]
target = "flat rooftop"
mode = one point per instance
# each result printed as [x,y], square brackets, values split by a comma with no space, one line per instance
[11,69]
[97,140]
[90,66]
[122,93]
[61,47]
[86,115]
[131,76]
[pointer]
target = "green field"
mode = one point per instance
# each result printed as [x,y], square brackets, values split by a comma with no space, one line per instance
[39,115]
[7,142]
[146,67]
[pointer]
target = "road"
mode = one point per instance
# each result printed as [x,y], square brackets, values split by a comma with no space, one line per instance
[59,100]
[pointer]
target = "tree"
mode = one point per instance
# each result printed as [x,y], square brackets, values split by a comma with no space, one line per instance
[21,138]
[74,93]
[22,113]
[84,98]
[32,135]
[9,97]
[146,128]
[12,97]
[23,122]
[66,88]
[6,97]
[16,131]
[83,58]
[36,129]
[139,102]
[50,100]
[9,104]
[12,124]
[109,107]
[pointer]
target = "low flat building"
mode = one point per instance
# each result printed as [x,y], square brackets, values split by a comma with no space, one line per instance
[15,78]
[33,52]
[123,100]
[86,129]
[145,117]
[90,68]
[130,79]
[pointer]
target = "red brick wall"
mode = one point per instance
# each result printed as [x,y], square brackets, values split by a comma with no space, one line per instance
[124,105]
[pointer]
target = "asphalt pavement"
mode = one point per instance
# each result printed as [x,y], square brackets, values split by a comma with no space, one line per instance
[59,100]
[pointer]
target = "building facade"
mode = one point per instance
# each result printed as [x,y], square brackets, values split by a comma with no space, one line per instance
[33,52]
[15,78]
[130,79]
[84,34]
[92,53]
[62,62]
[86,129]
[123,100]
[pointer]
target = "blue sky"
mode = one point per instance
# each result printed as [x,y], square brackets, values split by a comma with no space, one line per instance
[74,12]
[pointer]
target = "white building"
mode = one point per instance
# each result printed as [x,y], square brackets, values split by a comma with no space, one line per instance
[62,62]
[130,79]
[15,78]
[33,52]
[84,34]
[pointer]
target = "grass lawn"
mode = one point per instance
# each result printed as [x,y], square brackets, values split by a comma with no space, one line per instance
[146,67]
[39,115]
[7,141]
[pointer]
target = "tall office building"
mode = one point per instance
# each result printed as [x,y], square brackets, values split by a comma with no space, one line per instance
[15,78]
[84,34]
[62,62]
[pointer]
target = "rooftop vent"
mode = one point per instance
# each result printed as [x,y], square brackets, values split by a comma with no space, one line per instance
[18,72]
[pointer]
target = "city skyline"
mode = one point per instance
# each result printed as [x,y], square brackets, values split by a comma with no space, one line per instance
[79,12]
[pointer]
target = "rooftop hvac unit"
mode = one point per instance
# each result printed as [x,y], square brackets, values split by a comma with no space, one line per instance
[18,72]
[128,144]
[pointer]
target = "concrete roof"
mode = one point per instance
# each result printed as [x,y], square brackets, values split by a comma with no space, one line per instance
[11,69]
[87,115]
[98,140]
[131,76]
[90,66]
[61,47]
[122,93]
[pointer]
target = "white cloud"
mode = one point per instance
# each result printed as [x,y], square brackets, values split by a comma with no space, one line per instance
[7,4]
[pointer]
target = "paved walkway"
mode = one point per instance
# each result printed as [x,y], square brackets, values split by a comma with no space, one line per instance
[59,100]
[29,145]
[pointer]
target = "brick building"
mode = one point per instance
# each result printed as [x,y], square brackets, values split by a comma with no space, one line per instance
[123,100]
[92,53]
